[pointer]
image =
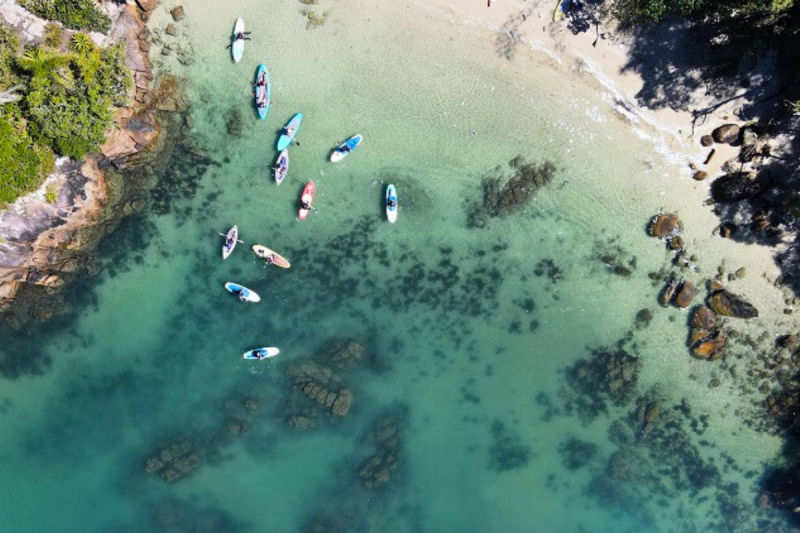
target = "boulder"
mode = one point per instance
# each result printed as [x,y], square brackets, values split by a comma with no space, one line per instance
[685,295]
[703,318]
[726,229]
[669,292]
[173,462]
[727,304]
[171,30]
[706,140]
[710,349]
[700,175]
[675,243]
[665,224]
[178,13]
[735,187]
[726,134]
[790,342]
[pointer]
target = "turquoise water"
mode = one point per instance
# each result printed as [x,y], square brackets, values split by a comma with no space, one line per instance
[471,332]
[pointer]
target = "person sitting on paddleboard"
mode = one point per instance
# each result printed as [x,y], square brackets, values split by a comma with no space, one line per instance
[259,354]
[270,259]
[390,202]
[305,205]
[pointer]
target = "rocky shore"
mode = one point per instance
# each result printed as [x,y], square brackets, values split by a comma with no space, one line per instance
[43,238]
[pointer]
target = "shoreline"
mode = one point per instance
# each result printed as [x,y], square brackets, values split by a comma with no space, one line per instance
[41,242]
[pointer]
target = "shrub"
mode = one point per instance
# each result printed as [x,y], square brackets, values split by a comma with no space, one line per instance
[23,163]
[53,35]
[73,14]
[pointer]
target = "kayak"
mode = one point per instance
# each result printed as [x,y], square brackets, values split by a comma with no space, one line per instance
[281,166]
[391,209]
[308,198]
[262,92]
[237,45]
[265,253]
[267,351]
[231,238]
[344,149]
[244,294]
[289,132]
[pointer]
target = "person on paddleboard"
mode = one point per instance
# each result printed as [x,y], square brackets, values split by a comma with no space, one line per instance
[270,259]
[390,202]
[259,354]
[305,205]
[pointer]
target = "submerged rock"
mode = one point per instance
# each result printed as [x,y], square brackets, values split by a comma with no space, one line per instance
[377,470]
[173,462]
[343,354]
[703,318]
[502,199]
[178,13]
[665,225]
[706,140]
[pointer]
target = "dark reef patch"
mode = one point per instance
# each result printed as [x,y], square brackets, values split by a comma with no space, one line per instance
[507,451]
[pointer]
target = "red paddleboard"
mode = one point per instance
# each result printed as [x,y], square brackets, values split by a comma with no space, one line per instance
[306,199]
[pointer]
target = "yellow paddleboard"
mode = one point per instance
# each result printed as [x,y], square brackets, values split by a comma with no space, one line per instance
[265,253]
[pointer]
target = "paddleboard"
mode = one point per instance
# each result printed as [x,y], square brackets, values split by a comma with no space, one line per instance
[289,132]
[562,7]
[262,92]
[264,253]
[308,198]
[242,292]
[231,238]
[267,351]
[237,45]
[391,208]
[281,166]
[344,149]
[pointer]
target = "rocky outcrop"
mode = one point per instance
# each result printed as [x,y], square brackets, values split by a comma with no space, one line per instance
[736,186]
[173,462]
[41,241]
[726,134]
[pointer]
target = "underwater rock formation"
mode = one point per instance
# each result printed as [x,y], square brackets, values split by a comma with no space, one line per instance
[173,462]
[343,354]
[321,385]
[507,452]
[678,292]
[609,374]
[377,470]
[501,199]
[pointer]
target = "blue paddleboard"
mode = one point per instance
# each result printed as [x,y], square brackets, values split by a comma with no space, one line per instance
[289,132]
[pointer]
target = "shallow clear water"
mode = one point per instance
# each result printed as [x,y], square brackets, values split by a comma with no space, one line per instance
[473,329]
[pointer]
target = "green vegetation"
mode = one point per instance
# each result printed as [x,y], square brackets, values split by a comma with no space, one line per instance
[53,35]
[62,105]
[74,14]
[51,194]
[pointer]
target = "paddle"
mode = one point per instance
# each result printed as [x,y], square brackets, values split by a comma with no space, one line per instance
[237,240]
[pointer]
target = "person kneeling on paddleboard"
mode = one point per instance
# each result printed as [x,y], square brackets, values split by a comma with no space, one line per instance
[259,354]
[270,259]
[390,202]
[305,205]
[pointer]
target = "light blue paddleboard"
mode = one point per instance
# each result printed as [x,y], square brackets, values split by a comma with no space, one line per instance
[237,45]
[344,149]
[242,292]
[262,93]
[289,132]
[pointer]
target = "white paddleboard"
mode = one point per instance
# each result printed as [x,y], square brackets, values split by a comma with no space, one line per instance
[244,294]
[237,45]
